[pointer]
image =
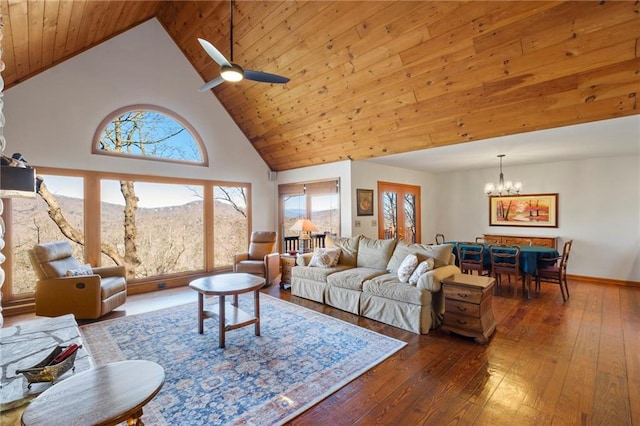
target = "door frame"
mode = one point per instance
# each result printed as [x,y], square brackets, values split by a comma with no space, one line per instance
[401,189]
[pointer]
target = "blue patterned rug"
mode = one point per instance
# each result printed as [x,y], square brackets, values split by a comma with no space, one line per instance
[300,358]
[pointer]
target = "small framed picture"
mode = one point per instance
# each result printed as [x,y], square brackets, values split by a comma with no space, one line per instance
[364,199]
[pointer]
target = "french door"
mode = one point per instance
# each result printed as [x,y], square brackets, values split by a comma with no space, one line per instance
[399,211]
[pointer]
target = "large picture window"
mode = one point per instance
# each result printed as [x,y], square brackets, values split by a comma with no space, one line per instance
[230,223]
[154,226]
[31,223]
[168,224]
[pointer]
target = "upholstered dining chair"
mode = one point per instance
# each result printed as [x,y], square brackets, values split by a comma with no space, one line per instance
[471,258]
[554,271]
[440,239]
[260,259]
[505,261]
[65,286]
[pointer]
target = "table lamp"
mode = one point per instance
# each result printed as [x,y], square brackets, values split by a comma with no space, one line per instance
[304,226]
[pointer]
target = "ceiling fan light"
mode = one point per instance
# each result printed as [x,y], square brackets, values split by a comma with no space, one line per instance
[233,73]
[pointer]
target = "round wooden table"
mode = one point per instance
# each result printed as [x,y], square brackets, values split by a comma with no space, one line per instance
[106,395]
[229,315]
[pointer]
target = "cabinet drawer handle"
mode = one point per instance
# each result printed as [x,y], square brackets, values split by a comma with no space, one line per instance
[462,322]
[464,296]
[462,308]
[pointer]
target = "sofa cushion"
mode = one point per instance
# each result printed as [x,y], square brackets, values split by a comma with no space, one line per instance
[407,266]
[388,286]
[316,274]
[441,254]
[374,253]
[353,278]
[55,250]
[424,267]
[325,257]
[58,268]
[250,267]
[262,243]
[348,248]
[112,285]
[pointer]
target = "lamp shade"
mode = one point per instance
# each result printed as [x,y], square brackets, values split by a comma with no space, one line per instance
[304,225]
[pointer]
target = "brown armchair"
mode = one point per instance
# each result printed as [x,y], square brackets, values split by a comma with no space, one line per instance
[65,286]
[260,260]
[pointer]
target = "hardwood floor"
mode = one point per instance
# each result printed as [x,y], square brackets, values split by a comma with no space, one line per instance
[547,363]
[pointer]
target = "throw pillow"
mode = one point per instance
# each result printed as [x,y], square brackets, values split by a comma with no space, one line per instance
[406,267]
[80,271]
[325,257]
[347,246]
[422,268]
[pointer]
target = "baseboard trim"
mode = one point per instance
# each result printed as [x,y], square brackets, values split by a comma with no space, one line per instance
[18,309]
[610,281]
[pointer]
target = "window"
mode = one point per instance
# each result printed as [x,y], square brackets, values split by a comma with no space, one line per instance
[316,201]
[230,223]
[149,132]
[31,224]
[154,226]
[159,232]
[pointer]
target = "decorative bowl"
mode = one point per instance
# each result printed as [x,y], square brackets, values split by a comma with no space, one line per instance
[44,372]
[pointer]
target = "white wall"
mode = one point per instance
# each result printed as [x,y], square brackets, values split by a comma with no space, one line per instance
[52,117]
[366,176]
[598,207]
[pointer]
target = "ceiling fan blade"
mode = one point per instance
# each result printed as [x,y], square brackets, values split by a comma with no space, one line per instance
[264,77]
[210,85]
[214,53]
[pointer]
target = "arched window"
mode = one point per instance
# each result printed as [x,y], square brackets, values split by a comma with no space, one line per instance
[151,133]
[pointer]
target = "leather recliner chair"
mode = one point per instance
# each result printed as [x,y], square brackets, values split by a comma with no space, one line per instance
[65,286]
[260,259]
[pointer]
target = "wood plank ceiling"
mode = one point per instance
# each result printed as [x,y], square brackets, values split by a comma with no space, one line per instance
[371,78]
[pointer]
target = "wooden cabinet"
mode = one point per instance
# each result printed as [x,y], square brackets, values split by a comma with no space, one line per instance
[522,240]
[287,262]
[468,308]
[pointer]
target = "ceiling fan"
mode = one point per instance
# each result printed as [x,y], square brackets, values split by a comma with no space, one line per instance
[230,71]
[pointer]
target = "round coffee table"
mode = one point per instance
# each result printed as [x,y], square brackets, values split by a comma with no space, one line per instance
[106,395]
[229,315]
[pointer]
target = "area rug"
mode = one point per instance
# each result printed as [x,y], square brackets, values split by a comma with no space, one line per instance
[300,358]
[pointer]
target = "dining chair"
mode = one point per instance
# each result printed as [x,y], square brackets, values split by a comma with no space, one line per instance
[554,270]
[471,258]
[480,240]
[439,239]
[505,261]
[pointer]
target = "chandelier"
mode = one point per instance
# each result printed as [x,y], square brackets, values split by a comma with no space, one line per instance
[502,188]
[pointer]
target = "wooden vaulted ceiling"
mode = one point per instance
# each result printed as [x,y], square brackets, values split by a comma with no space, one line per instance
[371,78]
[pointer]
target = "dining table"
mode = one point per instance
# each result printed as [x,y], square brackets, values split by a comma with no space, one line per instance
[530,258]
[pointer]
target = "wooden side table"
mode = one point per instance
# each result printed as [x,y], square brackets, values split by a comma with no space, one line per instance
[468,308]
[106,395]
[287,261]
[230,316]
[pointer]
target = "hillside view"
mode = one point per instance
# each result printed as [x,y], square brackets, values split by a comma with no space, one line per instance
[170,239]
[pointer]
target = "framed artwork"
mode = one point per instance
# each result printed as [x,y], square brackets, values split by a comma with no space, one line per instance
[364,199]
[534,210]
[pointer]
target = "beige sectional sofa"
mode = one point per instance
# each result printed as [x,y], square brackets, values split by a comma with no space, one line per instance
[365,281]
